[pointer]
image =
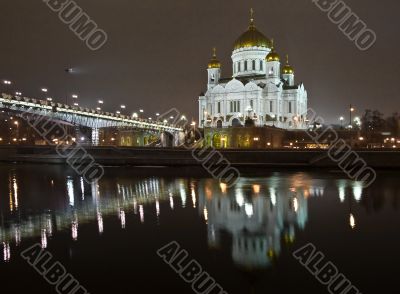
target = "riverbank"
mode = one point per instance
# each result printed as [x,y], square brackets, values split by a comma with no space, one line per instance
[117,156]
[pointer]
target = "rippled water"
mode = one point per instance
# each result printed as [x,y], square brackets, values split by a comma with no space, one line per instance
[107,234]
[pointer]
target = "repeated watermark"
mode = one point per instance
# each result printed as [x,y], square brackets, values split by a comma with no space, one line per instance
[352,26]
[340,152]
[52,270]
[189,269]
[212,160]
[66,146]
[79,22]
[324,270]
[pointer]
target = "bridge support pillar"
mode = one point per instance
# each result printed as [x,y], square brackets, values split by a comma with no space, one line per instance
[95,137]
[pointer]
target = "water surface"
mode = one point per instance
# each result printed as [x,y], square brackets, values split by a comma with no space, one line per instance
[107,233]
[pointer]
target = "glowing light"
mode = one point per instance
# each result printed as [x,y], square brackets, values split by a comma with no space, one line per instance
[205,212]
[256,189]
[70,192]
[171,202]
[194,198]
[6,252]
[141,213]
[224,187]
[342,193]
[273,196]
[44,90]
[123,219]
[74,230]
[352,221]
[100,222]
[248,208]
[157,207]
[357,191]
[295,204]
[44,239]
[75,96]
[239,197]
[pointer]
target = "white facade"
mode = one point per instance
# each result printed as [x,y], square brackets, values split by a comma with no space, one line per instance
[260,88]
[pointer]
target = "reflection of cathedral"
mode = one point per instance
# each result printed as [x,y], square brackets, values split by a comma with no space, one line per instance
[257,216]
[260,88]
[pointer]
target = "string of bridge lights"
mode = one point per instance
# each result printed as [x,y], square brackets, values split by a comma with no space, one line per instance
[99,105]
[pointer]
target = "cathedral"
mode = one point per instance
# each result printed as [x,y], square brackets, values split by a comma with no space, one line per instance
[261,91]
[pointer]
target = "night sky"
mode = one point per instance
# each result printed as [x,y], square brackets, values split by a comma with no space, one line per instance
[157,52]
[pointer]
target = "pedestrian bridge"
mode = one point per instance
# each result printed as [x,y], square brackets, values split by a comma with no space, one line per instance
[85,117]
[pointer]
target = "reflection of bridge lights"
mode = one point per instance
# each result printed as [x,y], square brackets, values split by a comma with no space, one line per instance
[352,221]
[205,214]
[248,208]
[171,202]
[44,239]
[123,219]
[357,191]
[295,204]
[342,193]
[141,213]
[6,252]
[100,222]
[193,198]
[158,207]
[74,231]
[273,196]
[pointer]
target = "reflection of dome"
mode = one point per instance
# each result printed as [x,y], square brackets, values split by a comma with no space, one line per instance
[287,69]
[252,38]
[214,62]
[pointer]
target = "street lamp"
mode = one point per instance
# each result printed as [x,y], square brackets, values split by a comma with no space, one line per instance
[18,93]
[49,99]
[351,114]
[341,122]
[101,102]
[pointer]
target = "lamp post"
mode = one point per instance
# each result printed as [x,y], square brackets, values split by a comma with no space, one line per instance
[44,91]
[351,115]
[7,84]
[341,122]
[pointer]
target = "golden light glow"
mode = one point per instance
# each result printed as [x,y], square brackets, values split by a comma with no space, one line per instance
[224,187]
[256,189]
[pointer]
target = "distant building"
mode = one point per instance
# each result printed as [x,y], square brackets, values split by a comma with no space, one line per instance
[260,88]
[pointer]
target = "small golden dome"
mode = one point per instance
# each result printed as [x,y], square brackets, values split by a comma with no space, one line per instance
[214,62]
[287,69]
[252,37]
[273,56]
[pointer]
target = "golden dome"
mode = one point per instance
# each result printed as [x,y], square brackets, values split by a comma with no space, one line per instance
[273,56]
[287,69]
[214,62]
[252,37]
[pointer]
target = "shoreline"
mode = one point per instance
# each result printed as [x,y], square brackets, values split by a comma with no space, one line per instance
[180,157]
